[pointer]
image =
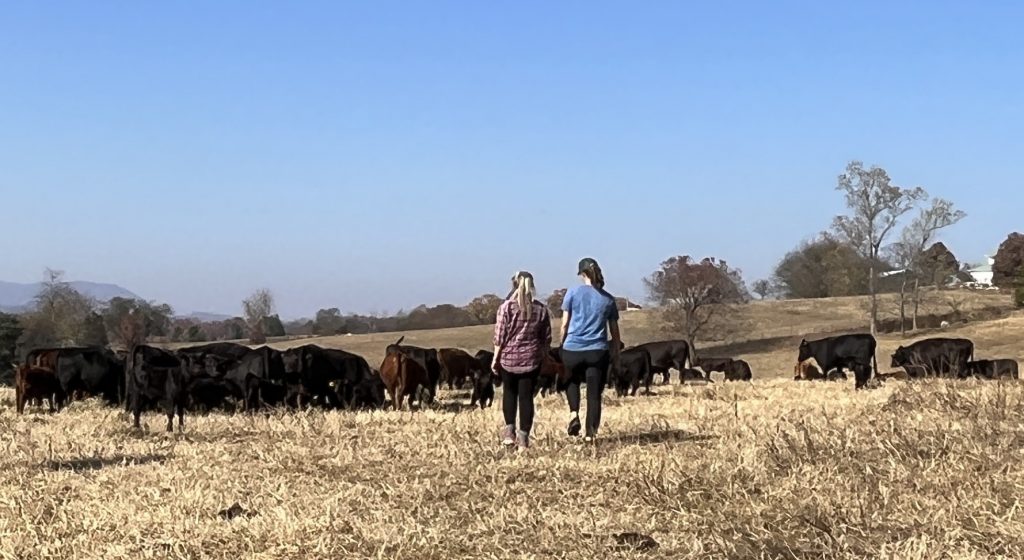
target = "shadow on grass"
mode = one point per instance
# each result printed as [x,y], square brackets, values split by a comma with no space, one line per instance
[655,438]
[452,407]
[97,463]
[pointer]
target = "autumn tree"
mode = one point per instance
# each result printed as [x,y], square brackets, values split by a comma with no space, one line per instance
[875,207]
[131,321]
[692,292]
[484,309]
[554,302]
[824,266]
[256,308]
[1009,261]
[910,249]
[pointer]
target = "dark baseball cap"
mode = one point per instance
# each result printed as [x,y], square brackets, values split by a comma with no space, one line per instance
[586,264]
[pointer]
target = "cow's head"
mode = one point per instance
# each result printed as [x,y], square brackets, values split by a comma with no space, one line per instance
[900,357]
[804,352]
[291,360]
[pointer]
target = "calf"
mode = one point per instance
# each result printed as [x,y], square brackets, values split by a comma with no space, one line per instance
[634,368]
[738,370]
[709,365]
[37,383]
[457,366]
[993,369]
[483,389]
[938,356]
[403,376]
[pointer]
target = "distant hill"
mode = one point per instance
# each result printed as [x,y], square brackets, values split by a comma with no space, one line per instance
[207,317]
[15,297]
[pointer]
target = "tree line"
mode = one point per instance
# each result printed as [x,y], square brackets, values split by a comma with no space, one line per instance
[887,241]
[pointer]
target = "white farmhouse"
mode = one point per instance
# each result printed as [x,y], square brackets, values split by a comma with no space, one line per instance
[982,273]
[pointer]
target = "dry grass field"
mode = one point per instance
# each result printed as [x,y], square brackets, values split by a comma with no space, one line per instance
[769,469]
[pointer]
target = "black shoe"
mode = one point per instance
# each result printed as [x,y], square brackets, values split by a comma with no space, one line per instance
[574,427]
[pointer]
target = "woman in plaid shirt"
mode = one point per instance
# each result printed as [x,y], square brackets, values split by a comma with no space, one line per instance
[522,337]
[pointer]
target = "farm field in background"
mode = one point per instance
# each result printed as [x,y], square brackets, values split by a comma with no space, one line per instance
[773,468]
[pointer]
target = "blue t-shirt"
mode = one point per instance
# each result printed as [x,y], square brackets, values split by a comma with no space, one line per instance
[591,310]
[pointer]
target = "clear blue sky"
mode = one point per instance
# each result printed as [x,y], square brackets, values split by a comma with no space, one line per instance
[378,155]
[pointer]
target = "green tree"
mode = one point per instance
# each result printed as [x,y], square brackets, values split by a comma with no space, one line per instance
[484,309]
[329,322]
[10,332]
[131,321]
[61,316]
[821,267]
[273,326]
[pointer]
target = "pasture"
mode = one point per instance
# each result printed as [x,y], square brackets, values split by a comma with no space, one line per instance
[769,469]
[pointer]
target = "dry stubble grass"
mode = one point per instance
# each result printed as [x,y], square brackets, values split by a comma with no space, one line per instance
[771,469]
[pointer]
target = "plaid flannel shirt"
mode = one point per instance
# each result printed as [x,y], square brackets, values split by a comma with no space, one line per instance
[522,341]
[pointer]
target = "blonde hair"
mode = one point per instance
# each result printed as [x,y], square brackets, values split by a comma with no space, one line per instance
[524,291]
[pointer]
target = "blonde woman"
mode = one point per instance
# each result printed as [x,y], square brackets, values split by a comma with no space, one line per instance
[522,336]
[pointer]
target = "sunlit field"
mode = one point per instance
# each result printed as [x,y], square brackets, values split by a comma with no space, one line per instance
[769,469]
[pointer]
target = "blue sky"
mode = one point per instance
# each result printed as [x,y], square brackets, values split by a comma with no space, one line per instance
[378,155]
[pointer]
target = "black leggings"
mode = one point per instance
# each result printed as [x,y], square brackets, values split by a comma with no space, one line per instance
[590,366]
[517,390]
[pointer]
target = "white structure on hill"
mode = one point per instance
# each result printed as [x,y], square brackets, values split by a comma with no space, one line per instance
[982,273]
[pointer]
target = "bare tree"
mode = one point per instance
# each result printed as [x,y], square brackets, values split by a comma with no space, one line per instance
[876,206]
[762,287]
[909,251]
[692,292]
[256,309]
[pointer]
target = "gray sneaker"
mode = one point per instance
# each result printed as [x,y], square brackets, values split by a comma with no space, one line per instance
[523,441]
[508,435]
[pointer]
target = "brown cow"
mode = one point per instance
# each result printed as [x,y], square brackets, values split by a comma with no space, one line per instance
[807,370]
[37,383]
[403,376]
[457,366]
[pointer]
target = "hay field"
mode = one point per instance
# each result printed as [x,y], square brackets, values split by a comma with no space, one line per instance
[770,469]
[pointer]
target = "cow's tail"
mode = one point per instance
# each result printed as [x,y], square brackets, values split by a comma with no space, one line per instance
[400,340]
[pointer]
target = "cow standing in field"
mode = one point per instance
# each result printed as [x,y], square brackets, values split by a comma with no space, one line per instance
[851,351]
[428,360]
[994,369]
[37,383]
[335,378]
[156,376]
[403,376]
[457,366]
[936,356]
[91,372]
[553,375]
[739,370]
[634,369]
[666,355]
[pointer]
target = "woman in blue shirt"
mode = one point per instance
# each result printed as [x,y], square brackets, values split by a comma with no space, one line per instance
[589,316]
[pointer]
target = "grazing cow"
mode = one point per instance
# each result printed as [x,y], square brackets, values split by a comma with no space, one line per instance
[709,365]
[739,370]
[157,376]
[36,383]
[92,372]
[852,351]
[634,368]
[457,366]
[994,369]
[427,357]
[668,354]
[403,376]
[331,376]
[938,356]
[369,393]
[690,374]
[483,389]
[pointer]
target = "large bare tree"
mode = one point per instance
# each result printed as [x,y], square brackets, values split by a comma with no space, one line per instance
[909,251]
[692,292]
[876,206]
[256,309]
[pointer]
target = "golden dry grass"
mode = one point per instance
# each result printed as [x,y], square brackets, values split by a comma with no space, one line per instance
[770,469]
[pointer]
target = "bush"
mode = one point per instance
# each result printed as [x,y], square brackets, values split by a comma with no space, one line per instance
[1018,294]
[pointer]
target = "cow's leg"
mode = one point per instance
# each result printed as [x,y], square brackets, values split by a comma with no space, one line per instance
[169,409]
[476,396]
[862,374]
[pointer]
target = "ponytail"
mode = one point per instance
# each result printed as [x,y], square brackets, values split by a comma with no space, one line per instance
[524,292]
[593,272]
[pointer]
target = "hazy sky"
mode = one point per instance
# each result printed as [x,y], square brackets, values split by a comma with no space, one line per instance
[378,155]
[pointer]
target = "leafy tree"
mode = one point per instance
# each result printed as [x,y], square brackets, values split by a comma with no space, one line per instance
[256,309]
[692,292]
[910,249]
[61,316]
[195,333]
[555,300]
[329,322]
[1009,260]
[937,264]
[10,332]
[875,206]
[1018,294]
[484,309]
[821,267]
[131,321]
[762,287]
[272,326]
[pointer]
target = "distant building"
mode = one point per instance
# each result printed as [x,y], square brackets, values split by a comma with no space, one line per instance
[982,273]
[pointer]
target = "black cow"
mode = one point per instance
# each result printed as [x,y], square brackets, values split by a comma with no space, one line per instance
[633,370]
[665,355]
[994,369]
[739,370]
[253,376]
[483,388]
[427,358]
[852,351]
[334,377]
[690,374]
[92,372]
[938,356]
[370,393]
[709,365]
[157,376]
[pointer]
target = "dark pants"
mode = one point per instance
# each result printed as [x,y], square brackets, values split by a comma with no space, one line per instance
[517,390]
[590,366]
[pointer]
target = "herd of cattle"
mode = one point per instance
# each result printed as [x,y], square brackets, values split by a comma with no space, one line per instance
[225,375]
